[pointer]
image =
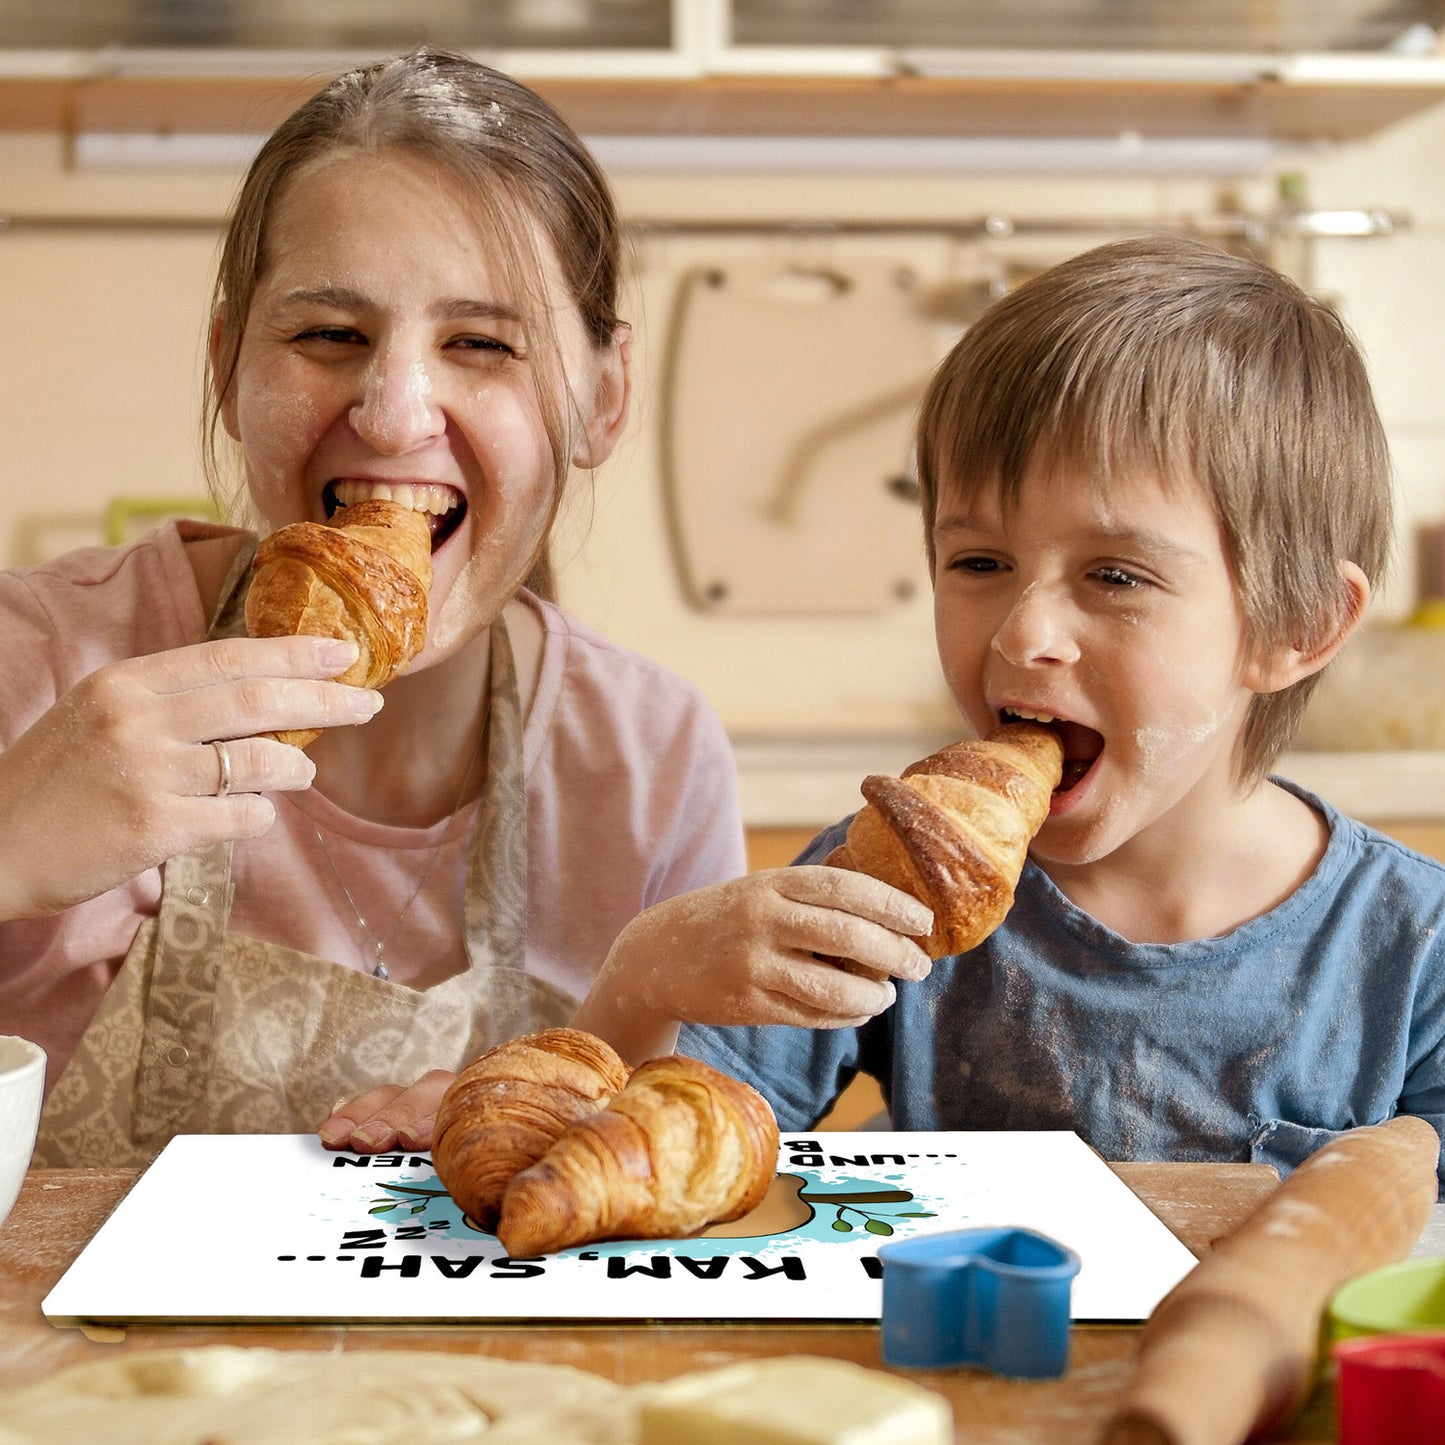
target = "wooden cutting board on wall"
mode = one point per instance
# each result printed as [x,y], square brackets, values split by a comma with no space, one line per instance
[790,394]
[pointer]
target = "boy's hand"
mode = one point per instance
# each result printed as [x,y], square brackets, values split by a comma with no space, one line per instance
[812,946]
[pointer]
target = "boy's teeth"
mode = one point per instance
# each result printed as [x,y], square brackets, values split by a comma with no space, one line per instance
[422,497]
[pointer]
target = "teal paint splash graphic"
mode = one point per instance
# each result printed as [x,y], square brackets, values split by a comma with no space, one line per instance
[843,1209]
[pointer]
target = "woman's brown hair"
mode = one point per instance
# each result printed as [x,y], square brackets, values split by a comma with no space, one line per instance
[520,161]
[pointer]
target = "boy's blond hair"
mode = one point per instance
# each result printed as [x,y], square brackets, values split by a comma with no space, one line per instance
[1166,357]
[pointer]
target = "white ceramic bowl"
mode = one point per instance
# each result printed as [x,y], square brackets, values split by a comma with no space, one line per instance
[22,1083]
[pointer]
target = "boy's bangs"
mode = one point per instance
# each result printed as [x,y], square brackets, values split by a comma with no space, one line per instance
[1098,422]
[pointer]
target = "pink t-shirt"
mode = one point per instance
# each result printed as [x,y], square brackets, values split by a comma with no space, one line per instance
[631,798]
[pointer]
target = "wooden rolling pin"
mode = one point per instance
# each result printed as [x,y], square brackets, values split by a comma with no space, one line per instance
[1230,1353]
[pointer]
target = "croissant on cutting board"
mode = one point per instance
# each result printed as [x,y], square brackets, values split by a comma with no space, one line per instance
[510,1105]
[549,1142]
[364,575]
[955,829]
[681,1147]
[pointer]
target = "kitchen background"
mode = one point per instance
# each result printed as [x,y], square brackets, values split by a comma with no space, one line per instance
[823,192]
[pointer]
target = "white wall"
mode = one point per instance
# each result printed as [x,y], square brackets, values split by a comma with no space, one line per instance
[100,334]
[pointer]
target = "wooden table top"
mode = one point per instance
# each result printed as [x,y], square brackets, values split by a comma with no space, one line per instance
[59,1210]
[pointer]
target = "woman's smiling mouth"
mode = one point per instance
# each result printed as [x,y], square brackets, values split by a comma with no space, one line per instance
[445,506]
[1082,745]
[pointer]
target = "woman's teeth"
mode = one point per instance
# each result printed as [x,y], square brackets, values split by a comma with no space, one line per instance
[418,497]
[1022,714]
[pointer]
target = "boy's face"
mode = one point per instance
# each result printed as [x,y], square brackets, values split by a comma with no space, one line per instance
[1113,609]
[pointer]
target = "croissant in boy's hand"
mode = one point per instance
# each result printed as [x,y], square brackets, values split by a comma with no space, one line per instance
[364,575]
[575,1151]
[955,829]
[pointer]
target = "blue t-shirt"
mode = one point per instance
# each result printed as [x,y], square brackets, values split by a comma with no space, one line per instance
[1261,1045]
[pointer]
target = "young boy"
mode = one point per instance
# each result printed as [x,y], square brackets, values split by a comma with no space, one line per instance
[1156,496]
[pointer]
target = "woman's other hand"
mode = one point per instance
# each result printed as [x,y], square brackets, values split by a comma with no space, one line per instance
[154,756]
[394,1116]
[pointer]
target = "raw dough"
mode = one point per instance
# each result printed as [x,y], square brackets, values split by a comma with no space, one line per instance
[793,1400]
[226,1395]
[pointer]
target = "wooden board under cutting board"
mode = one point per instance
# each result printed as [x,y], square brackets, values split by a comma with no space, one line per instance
[261,1228]
[790,398]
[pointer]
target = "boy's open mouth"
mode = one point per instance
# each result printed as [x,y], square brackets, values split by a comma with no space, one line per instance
[444,506]
[1082,745]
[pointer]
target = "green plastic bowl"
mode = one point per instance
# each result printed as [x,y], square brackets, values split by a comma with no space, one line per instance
[1401,1299]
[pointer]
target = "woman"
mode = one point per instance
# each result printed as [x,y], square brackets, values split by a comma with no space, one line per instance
[210,930]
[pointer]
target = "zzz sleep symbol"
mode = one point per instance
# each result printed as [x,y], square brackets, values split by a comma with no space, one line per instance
[793,1202]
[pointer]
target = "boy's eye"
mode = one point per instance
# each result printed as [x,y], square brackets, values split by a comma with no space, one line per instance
[1118,577]
[975,564]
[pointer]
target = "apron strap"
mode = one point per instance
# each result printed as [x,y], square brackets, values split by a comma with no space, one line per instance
[195,907]
[176,1042]
[496,891]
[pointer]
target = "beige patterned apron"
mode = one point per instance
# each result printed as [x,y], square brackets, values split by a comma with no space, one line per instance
[209,1032]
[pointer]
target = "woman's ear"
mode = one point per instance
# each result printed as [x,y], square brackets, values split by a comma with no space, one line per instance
[214,349]
[611,397]
[1277,668]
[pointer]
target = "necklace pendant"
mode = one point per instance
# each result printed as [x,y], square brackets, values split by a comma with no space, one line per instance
[381,970]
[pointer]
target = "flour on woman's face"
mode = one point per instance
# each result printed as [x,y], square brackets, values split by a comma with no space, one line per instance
[385,350]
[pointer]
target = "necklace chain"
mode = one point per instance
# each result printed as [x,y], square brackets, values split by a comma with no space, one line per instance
[378,945]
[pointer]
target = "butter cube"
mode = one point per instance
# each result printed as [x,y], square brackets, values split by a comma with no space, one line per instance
[793,1400]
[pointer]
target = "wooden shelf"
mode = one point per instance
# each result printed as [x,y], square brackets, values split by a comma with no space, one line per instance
[1280,108]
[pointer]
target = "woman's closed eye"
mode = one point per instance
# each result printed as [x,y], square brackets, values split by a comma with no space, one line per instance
[333,335]
[487,345]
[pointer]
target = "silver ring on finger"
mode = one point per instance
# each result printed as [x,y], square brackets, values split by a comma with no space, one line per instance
[223,758]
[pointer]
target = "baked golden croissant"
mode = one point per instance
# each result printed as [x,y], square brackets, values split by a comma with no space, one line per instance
[364,575]
[509,1105]
[955,829]
[681,1147]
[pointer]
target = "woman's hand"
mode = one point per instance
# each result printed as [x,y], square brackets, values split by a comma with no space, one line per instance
[813,946]
[395,1116]
[120,774]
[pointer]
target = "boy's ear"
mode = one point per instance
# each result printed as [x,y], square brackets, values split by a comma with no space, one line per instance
[1277,668]
[611,396]
[228,402]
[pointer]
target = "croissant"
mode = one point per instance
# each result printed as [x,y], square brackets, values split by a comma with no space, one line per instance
[681,1147]
[955,829]
[508,1106]
[364,575]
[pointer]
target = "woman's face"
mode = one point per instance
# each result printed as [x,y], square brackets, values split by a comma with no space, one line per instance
[385,356]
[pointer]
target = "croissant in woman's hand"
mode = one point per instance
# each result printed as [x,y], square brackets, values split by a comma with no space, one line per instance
[365,575]
[681,1147]
[509,1106]
[955,829]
